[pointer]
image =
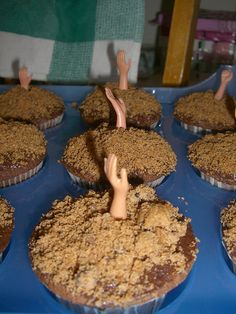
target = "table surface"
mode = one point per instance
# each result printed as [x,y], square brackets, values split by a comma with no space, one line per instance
[211,286]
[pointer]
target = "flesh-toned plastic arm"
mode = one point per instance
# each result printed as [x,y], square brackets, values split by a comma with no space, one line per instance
[119,107]
[123,69]
[120,186]
[24,78]
[226,77]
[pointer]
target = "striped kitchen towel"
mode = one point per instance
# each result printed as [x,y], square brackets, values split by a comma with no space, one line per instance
[72,41]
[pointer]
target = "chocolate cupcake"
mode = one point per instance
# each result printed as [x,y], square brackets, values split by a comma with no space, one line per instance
[6,224]
[22,151]
[31,104]
[228,228]
[143,110]
[207,111]
[99,263]
[215,157]
[147,157]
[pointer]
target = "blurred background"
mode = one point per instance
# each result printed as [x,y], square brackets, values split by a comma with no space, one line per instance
[214,40]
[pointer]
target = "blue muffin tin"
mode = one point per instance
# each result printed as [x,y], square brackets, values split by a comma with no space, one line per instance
[211,286]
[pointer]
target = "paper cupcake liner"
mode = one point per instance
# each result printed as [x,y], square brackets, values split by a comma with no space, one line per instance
[21,177]
[154,125]
[156,182]
[86,184]
[195,129]
[217,183]
[51,123]
[232,263]
[101,186]
[1,256]
[150,307]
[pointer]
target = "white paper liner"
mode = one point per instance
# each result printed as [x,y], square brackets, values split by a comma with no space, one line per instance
[21,177]
[217,183]
[195,129]
[153,125]
[51,123]
[1,257]
[233,264]
[150,307]
[100,186]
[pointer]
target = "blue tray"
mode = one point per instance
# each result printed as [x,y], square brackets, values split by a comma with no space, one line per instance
[211,286]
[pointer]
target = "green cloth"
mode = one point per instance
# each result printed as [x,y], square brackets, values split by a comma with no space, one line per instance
[77,31]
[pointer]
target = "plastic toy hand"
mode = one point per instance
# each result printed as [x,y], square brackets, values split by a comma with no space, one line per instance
[226,77]
[123,69]
[120,186]
[119,107]
[24,78]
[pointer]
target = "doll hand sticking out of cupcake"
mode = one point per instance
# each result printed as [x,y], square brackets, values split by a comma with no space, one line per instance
[123,69]
[120,186]
[119,107]
[24,78]
[226,77]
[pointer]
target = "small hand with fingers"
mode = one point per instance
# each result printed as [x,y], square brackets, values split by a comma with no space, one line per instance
[226,77]
[119,107]
[24,78]
[123,69]
[120,186]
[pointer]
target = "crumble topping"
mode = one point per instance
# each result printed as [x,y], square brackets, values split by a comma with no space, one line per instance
[201,109]
[34,105]
[215,154]
[6,214]
[142,108]
[142,153]
[110,261]
[20,142]
[228,221]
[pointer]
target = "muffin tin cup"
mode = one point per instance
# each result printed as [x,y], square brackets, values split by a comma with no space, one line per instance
[101,186]
[21,177]
[217,183]
[50,123]
[150,307]
[195,129]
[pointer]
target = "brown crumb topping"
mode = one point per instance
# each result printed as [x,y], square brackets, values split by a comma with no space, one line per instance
[20,143]
[34,105]
[144,154]
[201,109]
[6,214]
[6,223]
[79,246]
[228,222]
[215,155]
[142,108]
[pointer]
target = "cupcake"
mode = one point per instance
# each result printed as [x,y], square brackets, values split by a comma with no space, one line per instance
[22,151]
[228,227]
[147,157]
[6,224]
[207,111]
[143,110]
[31,104]
[214,156]
[101,262]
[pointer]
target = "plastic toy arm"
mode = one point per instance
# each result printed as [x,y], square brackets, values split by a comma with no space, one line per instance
[123,69]
[24,78]
[120,185]
[119,107]
[226,77]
